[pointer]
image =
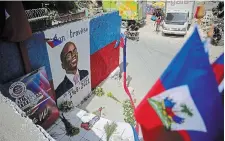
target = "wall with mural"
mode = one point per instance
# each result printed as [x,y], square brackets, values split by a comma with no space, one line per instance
[74,57]
[68,49]
[104,33]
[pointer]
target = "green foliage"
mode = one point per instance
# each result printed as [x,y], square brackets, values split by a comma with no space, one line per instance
[66,106]
[70,129]
[73,131]
[128,112]
[110,129]
[113,97]
[99,91]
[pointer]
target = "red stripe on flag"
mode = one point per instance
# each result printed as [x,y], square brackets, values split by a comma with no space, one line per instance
[122,42]
[196,13]
[144,111]
[218,70]
[151,125]
[129,95]
[161,134]
[185,135]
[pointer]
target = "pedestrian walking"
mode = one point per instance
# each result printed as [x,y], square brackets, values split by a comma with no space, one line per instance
[157,23]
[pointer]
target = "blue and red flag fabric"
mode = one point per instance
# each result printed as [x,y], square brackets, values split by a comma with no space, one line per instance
[123,44]
[53,42]
[125,71]
[136,138]
[122,40]
[196,12]
[218,68]
[184,104]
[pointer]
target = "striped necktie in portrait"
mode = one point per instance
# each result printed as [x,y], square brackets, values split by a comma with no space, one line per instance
[76,78]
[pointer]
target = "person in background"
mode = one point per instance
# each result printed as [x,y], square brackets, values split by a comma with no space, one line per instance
[157,23]
[158,13]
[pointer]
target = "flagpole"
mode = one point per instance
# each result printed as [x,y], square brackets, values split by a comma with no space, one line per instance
[124,79]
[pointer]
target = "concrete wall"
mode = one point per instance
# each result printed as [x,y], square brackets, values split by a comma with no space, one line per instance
[104,32]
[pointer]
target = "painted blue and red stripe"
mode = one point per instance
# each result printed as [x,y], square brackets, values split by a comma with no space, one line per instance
[189,67]
[104,46]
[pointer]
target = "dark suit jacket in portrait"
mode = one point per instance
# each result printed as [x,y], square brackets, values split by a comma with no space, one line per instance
[66,84]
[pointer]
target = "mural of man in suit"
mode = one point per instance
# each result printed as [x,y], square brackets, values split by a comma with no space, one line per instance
[69,60]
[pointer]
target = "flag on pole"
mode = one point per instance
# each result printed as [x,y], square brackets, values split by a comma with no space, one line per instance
[123,44]
[184,104]
[136,138]
[53,42]
[122,40]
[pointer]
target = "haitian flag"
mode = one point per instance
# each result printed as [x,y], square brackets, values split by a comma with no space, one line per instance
[184,104]
[53,42]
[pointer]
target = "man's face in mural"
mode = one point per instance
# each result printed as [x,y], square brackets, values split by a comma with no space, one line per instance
[70,57]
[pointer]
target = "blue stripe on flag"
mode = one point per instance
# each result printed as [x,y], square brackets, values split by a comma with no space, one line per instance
[135,134]
[220,60]
[124,55]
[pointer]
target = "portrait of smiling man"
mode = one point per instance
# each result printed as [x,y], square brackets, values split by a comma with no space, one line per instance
[69,61]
